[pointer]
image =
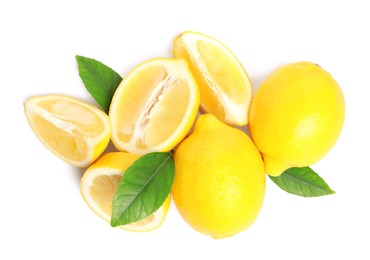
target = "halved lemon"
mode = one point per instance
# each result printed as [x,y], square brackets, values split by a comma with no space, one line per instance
[224,85]
[100,181]
[154,107]
[74,130]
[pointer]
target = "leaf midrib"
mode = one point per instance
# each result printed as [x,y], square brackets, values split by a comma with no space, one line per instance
[304,181]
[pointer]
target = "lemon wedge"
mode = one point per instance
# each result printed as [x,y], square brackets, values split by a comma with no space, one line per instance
[99,183]
[154,107]
[74,130]
[224,85]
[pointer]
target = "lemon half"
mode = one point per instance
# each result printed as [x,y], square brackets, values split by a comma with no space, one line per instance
[154,107]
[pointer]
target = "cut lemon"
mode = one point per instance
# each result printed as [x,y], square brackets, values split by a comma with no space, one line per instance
[72,129]
[154,107]
[224,85]
[99,183]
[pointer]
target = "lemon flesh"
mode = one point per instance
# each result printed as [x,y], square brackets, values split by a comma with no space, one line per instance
[219,183]
[296,116]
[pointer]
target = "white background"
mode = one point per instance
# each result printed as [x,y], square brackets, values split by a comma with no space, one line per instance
[42,213]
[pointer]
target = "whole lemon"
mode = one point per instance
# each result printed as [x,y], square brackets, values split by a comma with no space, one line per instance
[296,116]
[219,183]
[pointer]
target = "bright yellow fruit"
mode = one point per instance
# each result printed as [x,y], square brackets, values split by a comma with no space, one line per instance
[219,183]
[154,107]
[225,88]
[296,116]
[99,183]
[74,130]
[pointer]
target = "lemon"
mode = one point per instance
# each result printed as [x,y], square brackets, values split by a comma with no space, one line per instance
[225,87]
[154,107]
[74,130]
[296,116]
[219,183]
[99,183]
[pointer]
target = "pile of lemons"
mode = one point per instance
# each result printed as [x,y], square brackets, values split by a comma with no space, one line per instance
[294,118]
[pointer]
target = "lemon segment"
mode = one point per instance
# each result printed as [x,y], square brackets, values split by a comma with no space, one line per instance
[296,116]
[99,183]
[225,87]
[74,130]
[154,107]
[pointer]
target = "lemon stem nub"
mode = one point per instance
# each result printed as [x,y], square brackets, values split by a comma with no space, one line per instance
[273,166]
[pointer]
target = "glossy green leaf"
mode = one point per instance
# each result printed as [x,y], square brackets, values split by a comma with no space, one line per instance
[143,188]
[302,182]
[100,80]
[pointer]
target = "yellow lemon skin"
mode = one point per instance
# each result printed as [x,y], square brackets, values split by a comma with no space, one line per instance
[296,116]
[219,183]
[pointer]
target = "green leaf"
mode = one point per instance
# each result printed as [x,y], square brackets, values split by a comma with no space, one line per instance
[302,182]
[143,188]
[100,80]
